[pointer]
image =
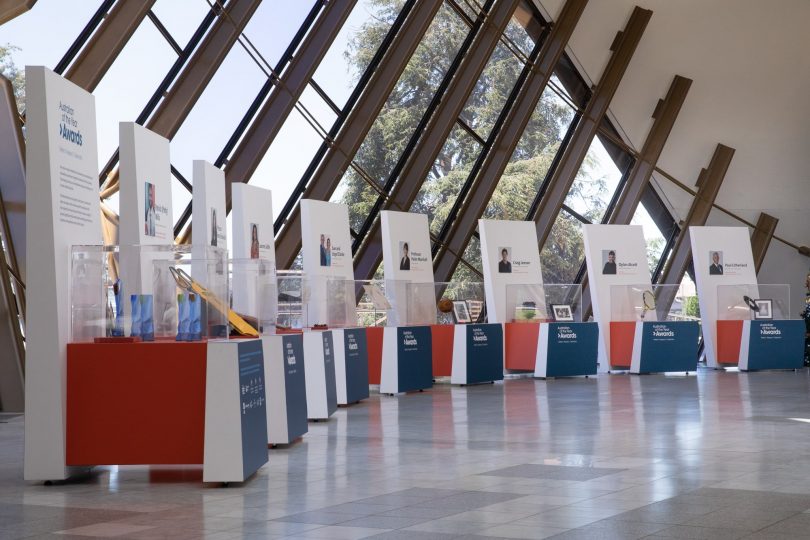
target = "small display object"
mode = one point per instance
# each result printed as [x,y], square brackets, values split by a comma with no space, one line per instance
[562,313]
[256,299]
[461,312]
[753,302]
[536,303]
[105,307]
[444,303]
[764,309]
[293,295]
[645,302]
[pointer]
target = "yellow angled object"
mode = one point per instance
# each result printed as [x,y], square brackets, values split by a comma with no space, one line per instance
[184,281]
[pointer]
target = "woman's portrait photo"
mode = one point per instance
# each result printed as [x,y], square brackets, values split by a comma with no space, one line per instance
[254,241]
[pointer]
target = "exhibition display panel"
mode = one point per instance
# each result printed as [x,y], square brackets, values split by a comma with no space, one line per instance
[544,332]
[756,329]
[650,331]
[464,346]
[152,376]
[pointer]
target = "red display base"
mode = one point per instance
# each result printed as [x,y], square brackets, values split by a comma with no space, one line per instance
[374,343]
[520,344]
[442,336]
[135,403]
[622,336]
[729,340]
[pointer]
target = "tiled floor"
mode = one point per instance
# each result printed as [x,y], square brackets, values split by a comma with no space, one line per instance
[720,455]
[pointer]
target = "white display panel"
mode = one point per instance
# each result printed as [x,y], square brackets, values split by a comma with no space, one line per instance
[62,210]
[145,202]
[627,266]
[735,266]
[208,206]
[406,259]
[327,250]
[253,236]
[509,255]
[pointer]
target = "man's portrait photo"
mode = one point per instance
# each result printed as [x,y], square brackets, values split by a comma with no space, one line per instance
[404,256]
[716,268]
[149,214]
[505,263]
[609,260]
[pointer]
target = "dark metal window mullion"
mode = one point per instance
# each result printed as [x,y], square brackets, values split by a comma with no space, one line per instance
[83,36]
[164,32]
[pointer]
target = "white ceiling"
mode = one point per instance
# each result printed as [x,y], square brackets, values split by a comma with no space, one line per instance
[750,66]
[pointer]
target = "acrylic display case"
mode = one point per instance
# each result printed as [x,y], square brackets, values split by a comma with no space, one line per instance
[445,303]
[293,295]
[254,293]
[543,303]
[136,291]
[356,303]
[645,302]
[746,302]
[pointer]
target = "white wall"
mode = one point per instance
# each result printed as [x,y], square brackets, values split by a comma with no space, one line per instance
[751,73]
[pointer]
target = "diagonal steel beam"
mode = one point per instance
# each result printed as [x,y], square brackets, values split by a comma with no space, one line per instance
[357,125]
[106,43]
[202,65]
[10,9]
[462,223]
[708,184]
[248,155]
[415,170]
[548,202]
[761,238]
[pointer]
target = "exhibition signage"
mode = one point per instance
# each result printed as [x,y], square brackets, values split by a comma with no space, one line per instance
[327,251]
[319,368]
[351,365]
[406,363]
[477,353]
[567,349]
[207,213]
[509,255]
[755,345]
[235,411]
[286,387]
[665,346]
[145,203]
[615,255]
[406,259]
[721,256]
[253,237]
[62,210]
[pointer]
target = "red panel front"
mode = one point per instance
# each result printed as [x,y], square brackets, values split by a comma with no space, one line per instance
[622,336]
[135,403]
[520,341]
[729,341]
[442,336]
[374,342]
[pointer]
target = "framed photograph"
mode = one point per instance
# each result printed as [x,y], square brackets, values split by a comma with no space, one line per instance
[460,312]
[765,311]
[476,309]
[562,313]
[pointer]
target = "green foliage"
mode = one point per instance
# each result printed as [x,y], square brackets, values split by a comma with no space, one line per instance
[12,73]
[691,307]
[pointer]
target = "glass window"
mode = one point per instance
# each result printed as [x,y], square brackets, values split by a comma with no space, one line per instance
[441,187]
[531,159]
[595,183]
[472,255]
[655,240]
[564,251]
[181,17]
[57,22]
[354,47]
[492,90]
[273,26]
[129,84]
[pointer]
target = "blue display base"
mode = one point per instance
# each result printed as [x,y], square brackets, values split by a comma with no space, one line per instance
[668,346]
[775,345]
[567,349]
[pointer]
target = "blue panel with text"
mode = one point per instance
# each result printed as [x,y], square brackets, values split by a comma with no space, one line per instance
[669,346]
[296,385]
[356,354]
[776,345]
[484,353]
[572,349]
[414,358]
[252,406]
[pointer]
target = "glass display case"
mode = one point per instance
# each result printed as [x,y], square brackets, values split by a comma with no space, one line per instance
[645,302]
[353,303]
[754,302]
[137,292]
[293,296]
[445,302]
[543,302]
[254,294]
